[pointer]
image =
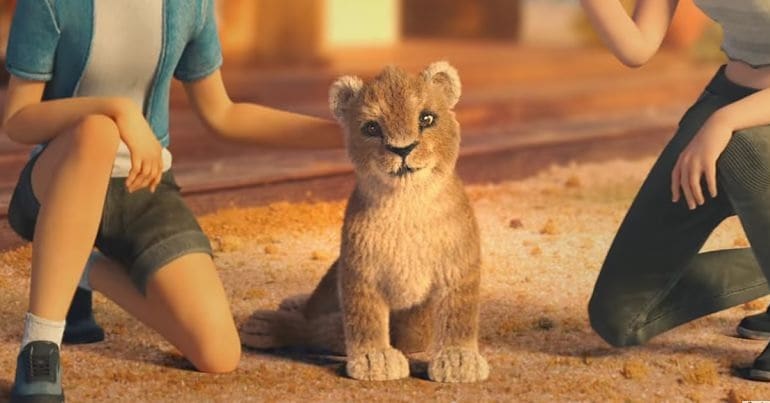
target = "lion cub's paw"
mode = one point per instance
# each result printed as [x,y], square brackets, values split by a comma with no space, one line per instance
[378,365]
[458,365]
[295,303]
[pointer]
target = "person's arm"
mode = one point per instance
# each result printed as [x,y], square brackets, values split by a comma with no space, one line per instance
[29,120]
[33,44]
[745,113]
[22,121]
[255,123]
[632,40]
[699,158]
[198,69]
[30,58]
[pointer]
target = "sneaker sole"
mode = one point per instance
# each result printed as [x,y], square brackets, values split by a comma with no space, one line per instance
[759,375]
[753,334]
[37,399]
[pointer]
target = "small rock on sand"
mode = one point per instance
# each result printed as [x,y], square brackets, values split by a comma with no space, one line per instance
[545,323]
[227,243]
[549,228]
[700,373]
[320,255]
[734,396]
[754,305]
[573,182]
[740,242]
[634,369]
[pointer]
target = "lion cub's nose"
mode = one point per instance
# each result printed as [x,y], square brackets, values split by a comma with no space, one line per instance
[402,151]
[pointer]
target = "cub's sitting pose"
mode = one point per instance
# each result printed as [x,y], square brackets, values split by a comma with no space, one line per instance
[409,263]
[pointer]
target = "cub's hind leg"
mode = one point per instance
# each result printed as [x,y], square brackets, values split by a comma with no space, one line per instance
[277,329]
[324,299]
[313,321]
[365,318]
[411,330]
[457,328]
[273,329]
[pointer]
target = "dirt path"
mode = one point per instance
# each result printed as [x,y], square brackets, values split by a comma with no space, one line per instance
[535,333]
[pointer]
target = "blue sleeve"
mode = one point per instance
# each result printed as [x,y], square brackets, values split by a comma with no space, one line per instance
[203,53]
[33,40]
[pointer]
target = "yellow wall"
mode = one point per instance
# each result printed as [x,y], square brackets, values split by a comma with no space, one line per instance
[287,31]
[361,22]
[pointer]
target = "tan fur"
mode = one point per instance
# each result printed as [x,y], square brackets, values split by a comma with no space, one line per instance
[409,265]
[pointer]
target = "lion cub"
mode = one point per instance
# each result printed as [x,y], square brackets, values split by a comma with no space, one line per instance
[409,264]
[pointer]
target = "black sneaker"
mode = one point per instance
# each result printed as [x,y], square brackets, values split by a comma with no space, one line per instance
[756,326]
[760,370]
[81,327]
[38,374]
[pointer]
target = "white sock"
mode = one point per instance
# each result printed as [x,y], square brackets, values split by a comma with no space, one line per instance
[84,278]
[37,328]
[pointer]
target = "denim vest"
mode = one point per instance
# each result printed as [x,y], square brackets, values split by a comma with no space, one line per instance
[50,41]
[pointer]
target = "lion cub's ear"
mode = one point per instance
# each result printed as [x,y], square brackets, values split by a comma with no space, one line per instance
[342,93]
[443,75]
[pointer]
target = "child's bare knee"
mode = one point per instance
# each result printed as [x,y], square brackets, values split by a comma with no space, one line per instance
[217,356]
[96,136]
[217,349]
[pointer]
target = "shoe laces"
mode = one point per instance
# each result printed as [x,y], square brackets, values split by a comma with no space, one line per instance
[39,367]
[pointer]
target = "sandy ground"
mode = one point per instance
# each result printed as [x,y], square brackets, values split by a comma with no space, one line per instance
[543,242]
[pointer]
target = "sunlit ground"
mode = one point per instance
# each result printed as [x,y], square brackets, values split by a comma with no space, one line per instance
[535,333]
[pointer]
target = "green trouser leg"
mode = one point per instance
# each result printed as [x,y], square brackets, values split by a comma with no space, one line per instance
[653,278]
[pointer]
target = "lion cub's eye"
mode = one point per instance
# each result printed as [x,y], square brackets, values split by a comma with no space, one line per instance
[371,128]
[427,119]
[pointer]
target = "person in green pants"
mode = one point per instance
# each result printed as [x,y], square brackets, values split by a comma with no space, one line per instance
[716,165]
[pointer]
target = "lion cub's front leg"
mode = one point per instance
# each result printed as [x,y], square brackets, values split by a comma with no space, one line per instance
[367,344]
[457,328]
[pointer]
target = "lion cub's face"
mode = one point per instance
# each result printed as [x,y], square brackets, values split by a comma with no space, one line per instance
[400,128]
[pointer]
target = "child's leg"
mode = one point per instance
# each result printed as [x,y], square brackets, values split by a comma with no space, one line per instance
[70,180]
[652,280]
[744,169]
[67,187]
[185,303]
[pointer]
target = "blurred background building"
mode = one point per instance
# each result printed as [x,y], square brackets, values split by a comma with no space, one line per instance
[297,31]
[303,31]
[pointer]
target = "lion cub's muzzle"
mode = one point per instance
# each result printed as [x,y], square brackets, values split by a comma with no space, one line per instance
[403,152]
